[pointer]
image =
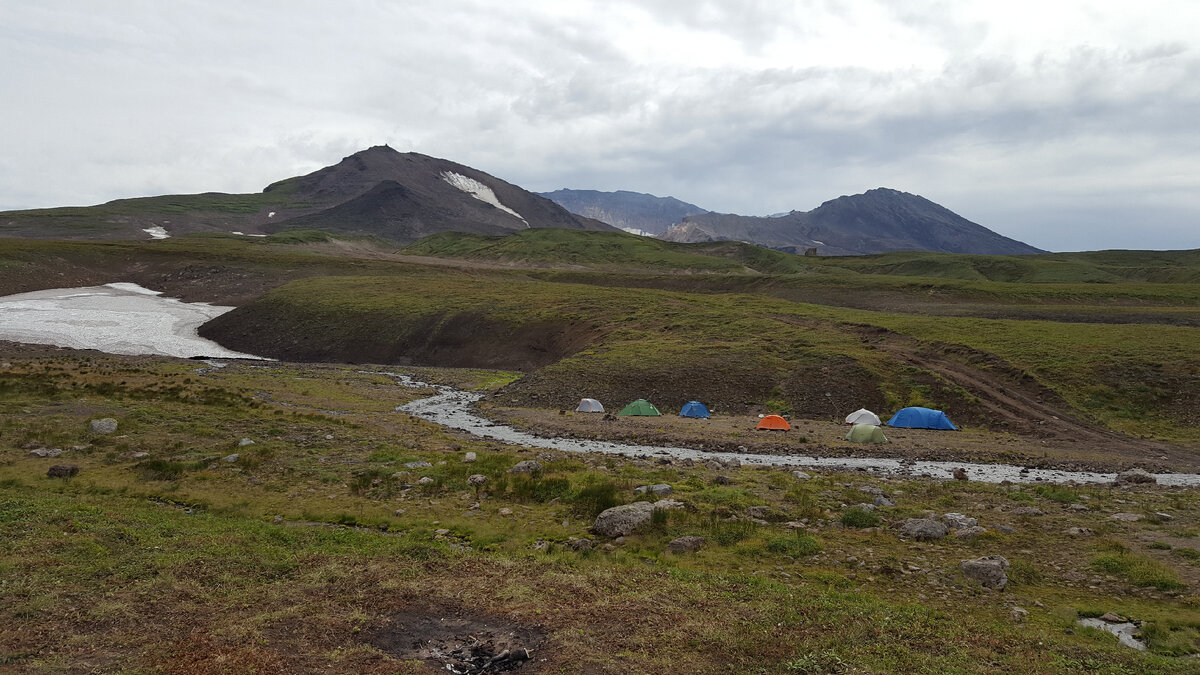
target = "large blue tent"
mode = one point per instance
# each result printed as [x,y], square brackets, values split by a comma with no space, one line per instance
[693,409]
[921,418]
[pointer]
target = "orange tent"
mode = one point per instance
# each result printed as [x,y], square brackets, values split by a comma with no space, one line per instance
[774,422]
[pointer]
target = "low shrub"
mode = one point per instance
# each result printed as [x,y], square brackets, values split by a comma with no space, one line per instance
[159,469]
[589,500]
[1139,570]
[796,546]
[860,518]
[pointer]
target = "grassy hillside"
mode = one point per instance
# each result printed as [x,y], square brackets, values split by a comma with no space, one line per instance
[610,250]
[1091,267]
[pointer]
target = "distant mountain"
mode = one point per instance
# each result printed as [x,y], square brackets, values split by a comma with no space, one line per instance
[378,191]
[625,210]
[877,221]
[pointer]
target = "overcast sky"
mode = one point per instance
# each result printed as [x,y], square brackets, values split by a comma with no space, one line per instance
[1070,125]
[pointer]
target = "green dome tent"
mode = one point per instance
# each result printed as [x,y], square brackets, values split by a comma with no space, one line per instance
[866,433]
[640,407]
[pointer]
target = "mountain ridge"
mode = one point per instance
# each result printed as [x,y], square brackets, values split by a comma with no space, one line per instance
[624,209]
[880,220]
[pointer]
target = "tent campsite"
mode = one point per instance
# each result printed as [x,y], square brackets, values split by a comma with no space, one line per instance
[693,409]
[921,418]
[773,423]
[863,416]
[866,433]
[640,407]
[589,405]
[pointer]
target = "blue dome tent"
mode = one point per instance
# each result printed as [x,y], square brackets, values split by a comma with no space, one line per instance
[921,418]
[693,409]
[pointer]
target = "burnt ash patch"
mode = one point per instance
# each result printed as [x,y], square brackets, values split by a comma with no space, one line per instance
[458,644]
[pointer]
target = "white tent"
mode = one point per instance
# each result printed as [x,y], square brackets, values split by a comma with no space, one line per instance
[589,405]
[862,416]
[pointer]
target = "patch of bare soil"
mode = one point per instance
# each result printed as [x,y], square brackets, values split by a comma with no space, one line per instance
[450,642]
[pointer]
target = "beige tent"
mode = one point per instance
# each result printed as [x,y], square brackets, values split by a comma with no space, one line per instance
[863,416]
[589,405]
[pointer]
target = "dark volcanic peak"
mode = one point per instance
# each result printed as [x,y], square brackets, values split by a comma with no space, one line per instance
[624,209]
[877,221]
[405,196]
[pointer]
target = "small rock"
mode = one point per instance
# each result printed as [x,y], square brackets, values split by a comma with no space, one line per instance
[63,471]
[419,464]
[668,505]
[959,521]
[1079,531]
[441,532]
[398,512]
[758,512]
[244,442]
[988,571]
[884,501]
[231,458]
[801,475]
[106,425]
[505,512]
[469,457]
[658,489]
[969,532]
[581,544]
[1134,476]
[1113,617]
[425,480]
[686,544]
[139,455]
[1019,614]
[45,452]
[277,519]
[923,529]
[1163,516]
[476,479]
[1077,507]
[1126,517]
[527,466]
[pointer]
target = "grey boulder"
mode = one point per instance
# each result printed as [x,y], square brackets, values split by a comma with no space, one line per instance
[988,571]
[527,466]
[1134,476]
[660,489]
[687,544]
[923,529]
[106,425]
[62,471]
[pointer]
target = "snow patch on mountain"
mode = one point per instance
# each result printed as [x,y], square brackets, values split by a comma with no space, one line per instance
[640,233]
[479,191]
